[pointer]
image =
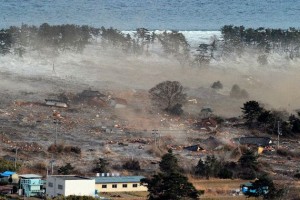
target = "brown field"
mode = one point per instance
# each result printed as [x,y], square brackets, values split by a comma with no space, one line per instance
[218,188]
[214,189]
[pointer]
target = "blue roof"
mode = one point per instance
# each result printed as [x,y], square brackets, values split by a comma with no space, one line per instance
[7,173]
[118,179]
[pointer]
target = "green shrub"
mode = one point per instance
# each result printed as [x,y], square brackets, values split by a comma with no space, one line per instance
[132,165]
[225,173]
[60,148]
[247,174]
[8,165]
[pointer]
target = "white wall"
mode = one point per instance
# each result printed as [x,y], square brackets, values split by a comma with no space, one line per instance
[81,187]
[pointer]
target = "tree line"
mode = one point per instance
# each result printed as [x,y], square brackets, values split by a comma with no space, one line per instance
[272,121]
[235,41]
[265,40]
[70,37]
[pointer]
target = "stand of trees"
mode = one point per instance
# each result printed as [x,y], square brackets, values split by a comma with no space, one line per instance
[70,37]
[258,117]
[8,165]
[236,41]
[237,38]
[246,168]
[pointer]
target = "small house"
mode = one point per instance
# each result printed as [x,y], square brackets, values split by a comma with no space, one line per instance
[120,184]
[56,103]
[211,143]
[31,185]
[66,185]
[193,148]
[92,97]
[257,141]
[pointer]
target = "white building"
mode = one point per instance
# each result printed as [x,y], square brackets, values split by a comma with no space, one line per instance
[66,185]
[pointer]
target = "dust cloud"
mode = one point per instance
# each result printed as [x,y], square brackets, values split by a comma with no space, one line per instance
[275,85]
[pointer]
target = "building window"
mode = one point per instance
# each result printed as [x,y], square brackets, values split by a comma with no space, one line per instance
[60,187]
[50,184]
[134,185]
[114,186]
[104,186]
[124,185]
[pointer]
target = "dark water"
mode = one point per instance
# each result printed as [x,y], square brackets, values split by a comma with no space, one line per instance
[153,14]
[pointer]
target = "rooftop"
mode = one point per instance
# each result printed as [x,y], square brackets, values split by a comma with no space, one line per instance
[54,100]
[70,177]
[30,176]
[119,179]
[260,141]
[7,173]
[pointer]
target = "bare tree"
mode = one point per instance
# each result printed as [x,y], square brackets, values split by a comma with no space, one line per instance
[166,95]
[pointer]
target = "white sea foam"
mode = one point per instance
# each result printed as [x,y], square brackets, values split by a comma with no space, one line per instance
[194,38]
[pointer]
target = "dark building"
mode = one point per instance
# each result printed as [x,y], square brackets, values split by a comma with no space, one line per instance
[258,141]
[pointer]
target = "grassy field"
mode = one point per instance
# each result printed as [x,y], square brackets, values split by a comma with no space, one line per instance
[219,188]
[214,189]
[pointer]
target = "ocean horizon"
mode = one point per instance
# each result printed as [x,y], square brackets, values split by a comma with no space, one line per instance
[180,15]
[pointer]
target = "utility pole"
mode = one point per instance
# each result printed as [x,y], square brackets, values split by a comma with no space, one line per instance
[56,122]
[51,163]
[240,146]
[155,133]
[16,158]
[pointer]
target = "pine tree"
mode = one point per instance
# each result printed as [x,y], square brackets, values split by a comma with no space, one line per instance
[201,169]
[101,166]
[170,184]
[169,163]
[248,160]
[251,111]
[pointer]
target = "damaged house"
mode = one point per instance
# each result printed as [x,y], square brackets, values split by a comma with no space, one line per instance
[91,94]
[56,103]
[92,97]
[193,148]
[206,124]
[257,141]
[261,143]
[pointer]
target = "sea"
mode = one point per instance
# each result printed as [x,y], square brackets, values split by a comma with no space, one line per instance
[197,19]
